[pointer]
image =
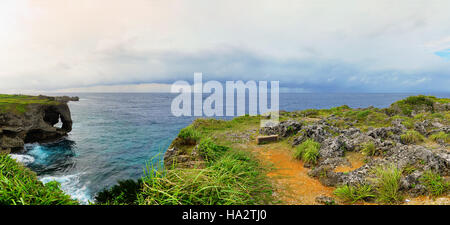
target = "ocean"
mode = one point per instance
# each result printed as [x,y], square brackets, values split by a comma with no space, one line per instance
[116,134]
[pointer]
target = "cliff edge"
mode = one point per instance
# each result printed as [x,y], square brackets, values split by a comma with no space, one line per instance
[27,119]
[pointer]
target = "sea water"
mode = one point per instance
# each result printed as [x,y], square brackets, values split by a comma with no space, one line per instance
[114,136]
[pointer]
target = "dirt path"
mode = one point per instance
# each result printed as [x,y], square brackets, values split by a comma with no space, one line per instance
[292,185]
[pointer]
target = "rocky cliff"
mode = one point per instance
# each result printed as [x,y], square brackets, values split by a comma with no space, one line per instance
[26,119]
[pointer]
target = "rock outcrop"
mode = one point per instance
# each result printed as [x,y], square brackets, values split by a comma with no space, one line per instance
[388,149]
[35,124]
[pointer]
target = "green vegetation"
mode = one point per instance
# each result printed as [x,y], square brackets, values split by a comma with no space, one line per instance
[229,176]
[435,184]
[353,194]
[20,186]
[441,137]
[234,178]
[19,103]
[412,103]
[408,170]
[369,149]
[189,135]
[412,137]
[125,192]
[308,151]
[388,184]
[210,151]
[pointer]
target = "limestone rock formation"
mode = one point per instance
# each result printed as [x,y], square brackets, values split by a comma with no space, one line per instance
[35,124]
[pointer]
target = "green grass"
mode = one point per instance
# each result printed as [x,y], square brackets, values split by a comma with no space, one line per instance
[369,149]
[411,103]
[441,137]
[353,194]
[388,184]
[19,103]
[435,184]
[189,135]
[210,151]
[20,186]
[123,193]
[234,178]
[412,137]
[308,151]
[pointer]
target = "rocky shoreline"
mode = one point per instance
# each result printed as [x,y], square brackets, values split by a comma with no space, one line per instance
[384,136]
[34,122]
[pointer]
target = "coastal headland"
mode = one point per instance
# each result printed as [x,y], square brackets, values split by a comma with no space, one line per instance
[342,155]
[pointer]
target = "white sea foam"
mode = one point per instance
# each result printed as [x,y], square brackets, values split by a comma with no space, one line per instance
[25,159]
[70,184]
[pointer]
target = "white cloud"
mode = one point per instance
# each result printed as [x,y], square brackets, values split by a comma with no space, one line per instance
[53,44]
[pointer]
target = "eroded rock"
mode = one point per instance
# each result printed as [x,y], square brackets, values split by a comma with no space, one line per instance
[36,124]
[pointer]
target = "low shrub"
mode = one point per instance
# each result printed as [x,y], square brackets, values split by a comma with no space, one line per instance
[388,184]
[411,137]
[435,184]
[369,149]
[441,137]
[354,193]
[308,151]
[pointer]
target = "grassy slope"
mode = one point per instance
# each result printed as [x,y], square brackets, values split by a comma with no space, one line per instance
[227,176]
[20,186]
[19,103]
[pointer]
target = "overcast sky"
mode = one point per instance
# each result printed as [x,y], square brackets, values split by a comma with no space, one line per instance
[312,46]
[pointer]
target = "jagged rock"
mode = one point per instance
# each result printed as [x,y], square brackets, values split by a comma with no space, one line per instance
[397,123]
[423,126]
[356,141]
[386,145]
[284,129]
[334,162]
[316,132]
[351,132]
[420,157]
[332,147]
[384,132]
[411,180]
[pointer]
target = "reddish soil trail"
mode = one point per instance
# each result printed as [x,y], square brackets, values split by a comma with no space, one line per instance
[291,182]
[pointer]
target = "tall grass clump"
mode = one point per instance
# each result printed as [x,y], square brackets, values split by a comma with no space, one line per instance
[353,194]
[369,149]
[233,178]
[308,151]
[388,184]
[189,135]
[210,151]
[20,186]
[435,184]
[441,137]
[411,137]
[124,192]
